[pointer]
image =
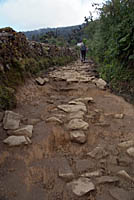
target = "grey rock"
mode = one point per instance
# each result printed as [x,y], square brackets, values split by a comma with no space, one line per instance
[81,186]
[76,115]
[119,116]
[25,131]
[73,108]
[11,120]
[98,153]
[54,119]
[125,175]
[42,81]
[130,151]
[100,83]
[107,179]
[17,140]
[92,174]
[78,137]
[126,144]
[76,124]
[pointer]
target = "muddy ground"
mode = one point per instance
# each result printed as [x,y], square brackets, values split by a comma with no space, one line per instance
[33,172]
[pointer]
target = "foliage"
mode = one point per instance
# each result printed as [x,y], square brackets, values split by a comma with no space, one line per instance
[111,40]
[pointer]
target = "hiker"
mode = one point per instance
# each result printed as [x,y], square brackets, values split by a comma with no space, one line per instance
[83,52]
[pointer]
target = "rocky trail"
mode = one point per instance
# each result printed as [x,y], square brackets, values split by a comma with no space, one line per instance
[69,138]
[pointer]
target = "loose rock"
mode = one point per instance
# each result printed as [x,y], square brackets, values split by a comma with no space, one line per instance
[76,124]
[25,131]
[126,144]
[100,83]
[107,179]
[81,186]
[98,153]
[54,119]
[76,115]
[125,175]
[78,137]
[66,173]
[92,174]
[17,140]
[119,116]
[130,151]
[11,120]
[73,108]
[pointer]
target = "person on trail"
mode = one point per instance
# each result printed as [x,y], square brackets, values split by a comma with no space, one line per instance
[83,52]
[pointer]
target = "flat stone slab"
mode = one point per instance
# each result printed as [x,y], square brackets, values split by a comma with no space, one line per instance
[76,124]
[11,120]
[92,174]
[126,144]
[25,131]
[107,179]
[119,116]
[73,108]
[81,186]
[17,141]
[98,153]
[78,137]
[121,194]
[54,119]
[76,115]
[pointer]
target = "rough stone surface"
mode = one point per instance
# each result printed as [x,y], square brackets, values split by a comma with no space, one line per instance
[125,175]
[107,179]
[25,131]
[76,115]
[130,151]
[33,121]
[76,124]
[54,119]
[78,137]
[121,194]
[119,116]
[92,174]
[85,99]
[11,120]
[81,186]
[42,81]
[98,153]
[17,140]
[126,144]
[100,83]
[73,108]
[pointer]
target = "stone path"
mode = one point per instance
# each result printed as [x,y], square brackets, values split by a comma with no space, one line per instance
[69,138]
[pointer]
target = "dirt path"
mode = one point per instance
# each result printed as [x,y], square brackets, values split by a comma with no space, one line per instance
[82,147]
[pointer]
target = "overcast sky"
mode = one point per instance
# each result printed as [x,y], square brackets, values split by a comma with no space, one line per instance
[34,14]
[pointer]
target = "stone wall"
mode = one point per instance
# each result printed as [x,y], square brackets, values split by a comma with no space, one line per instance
[20,57]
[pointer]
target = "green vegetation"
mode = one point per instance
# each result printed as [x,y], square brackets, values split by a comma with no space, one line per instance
[111,42]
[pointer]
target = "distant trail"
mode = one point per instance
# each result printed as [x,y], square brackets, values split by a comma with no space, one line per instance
[82,144]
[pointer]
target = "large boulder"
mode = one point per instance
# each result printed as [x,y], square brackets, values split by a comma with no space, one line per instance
[11,120]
